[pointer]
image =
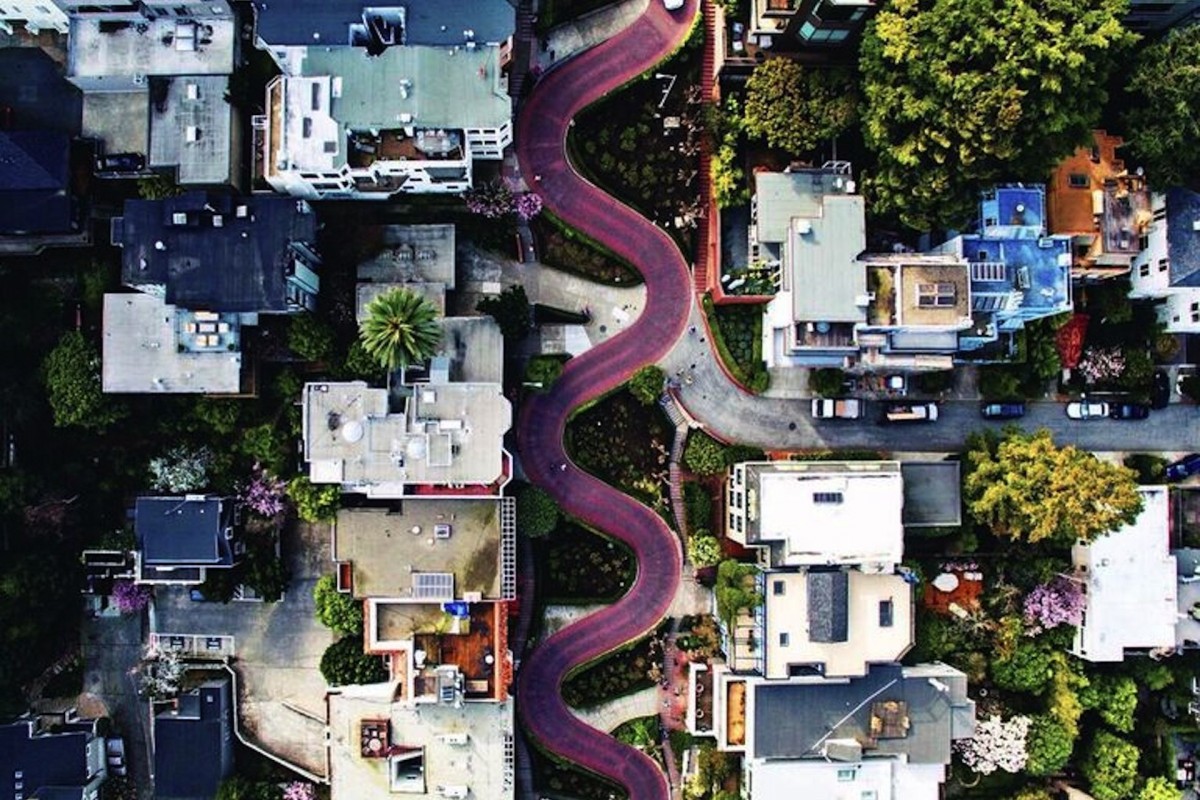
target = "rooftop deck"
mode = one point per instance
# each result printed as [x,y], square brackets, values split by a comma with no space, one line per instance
[164,46]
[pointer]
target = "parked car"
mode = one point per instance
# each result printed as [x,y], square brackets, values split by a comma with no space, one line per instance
[121,162]
[115,752]
[1160,394]
[1184,468]
[909,412]
[1087,409]
[1003,411]
[831,408]
[1125,410]
[672,5]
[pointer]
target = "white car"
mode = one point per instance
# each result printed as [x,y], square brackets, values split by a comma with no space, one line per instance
[1085,409]
[672,5]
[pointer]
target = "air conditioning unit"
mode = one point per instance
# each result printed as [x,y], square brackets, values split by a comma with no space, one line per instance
[455,791]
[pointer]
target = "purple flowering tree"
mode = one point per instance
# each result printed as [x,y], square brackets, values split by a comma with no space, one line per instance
[265,493]
[1102,364]
[527,206]
[299,790]
[129,597]
[1059,602]
[492,200]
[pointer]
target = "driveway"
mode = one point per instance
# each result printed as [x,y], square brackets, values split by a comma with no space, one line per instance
[541,135]
[277,647]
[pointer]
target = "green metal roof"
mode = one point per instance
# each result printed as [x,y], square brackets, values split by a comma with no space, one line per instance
[447,87]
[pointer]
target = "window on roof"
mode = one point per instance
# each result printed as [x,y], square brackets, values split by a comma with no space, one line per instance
[935,295]
[1163,264]
[1144,270]
[827,498]
[783,639]
[306,128]
[846,774]
[1078,180]
[778,587]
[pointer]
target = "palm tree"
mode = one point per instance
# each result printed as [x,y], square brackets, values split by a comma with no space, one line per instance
[401,328]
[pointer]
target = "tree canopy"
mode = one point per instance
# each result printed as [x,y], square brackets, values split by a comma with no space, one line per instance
[1161,121]
[798,108]
[401,328]
[1048,745]
[1110,766]
[511,310]
[537,513]
[336,610]
[314,503]
[1027,489]
[647,384]
[344,662]
[703,549]
[964,93]
[72,375]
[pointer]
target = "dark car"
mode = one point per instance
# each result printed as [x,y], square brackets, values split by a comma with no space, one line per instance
[1160,393]
[121,162]
[1128,411]
[1184,468]
[1003,410]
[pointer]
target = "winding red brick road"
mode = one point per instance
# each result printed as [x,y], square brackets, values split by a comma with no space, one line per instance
[541,136]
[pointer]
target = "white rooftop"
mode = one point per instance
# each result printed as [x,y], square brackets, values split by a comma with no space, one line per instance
[440,751]
[190,128]
[142,337]
[445,434]
[877,779]
[825,513]
[165,46]
[1130,579]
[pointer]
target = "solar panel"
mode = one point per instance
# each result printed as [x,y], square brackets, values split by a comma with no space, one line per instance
[433,585]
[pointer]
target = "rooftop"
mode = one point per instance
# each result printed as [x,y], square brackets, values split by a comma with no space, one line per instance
[41,99]
[35,183]
[929,294]
[218,252]
[443,433]
[1013,211]
[425,22]
[879,779]
[1071,194]
[102,48]
[150,346]
[390,550]
[191,127]
[1130,581]
[470,345]
[1035,273]
[184,531]
[842,621]
[45,760]
[932,493]
[914,712]
[825,512]
[342,95]
[193,749]
[432,749]
[413,254]
[1183,236]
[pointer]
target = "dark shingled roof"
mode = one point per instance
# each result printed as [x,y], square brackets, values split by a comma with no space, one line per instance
[178,531]
[1183,241]
[34,196]
[795,720]
[41,99]
[828,601]
[44,761]
[193,748]
[428,22]
[237,265]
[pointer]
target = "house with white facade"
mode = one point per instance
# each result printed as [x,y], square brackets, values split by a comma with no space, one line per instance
[1168,268]
[34,16]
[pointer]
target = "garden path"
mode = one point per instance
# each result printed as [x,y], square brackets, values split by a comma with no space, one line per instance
[607,716]
[572,38]
[541,134]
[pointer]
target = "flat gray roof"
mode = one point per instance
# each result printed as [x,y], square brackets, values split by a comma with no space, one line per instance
[141,352]
[164,46]
[932,493]
[190,127]
[413,254]
[828,282]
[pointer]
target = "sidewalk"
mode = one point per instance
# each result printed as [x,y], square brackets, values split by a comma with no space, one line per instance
[572,38]
[608,716]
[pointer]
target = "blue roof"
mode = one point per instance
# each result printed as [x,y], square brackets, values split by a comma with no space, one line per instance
[1038,268]
[193,748]
[43,761]
[1014,211]
[427,22]
[177,531]
[1183,240]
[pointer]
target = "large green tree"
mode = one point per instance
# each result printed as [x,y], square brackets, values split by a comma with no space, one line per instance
[1111,767]
[537,513]
[344,662]
[798,108]
[401,328]
[72,375]
[1025,488]
[964,93]
[1162,122]
[511,310]
[1048,745]
[336,610]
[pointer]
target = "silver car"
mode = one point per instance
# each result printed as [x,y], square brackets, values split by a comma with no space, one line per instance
[1087,409]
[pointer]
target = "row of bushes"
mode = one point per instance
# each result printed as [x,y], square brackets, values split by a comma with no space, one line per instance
[737,334]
